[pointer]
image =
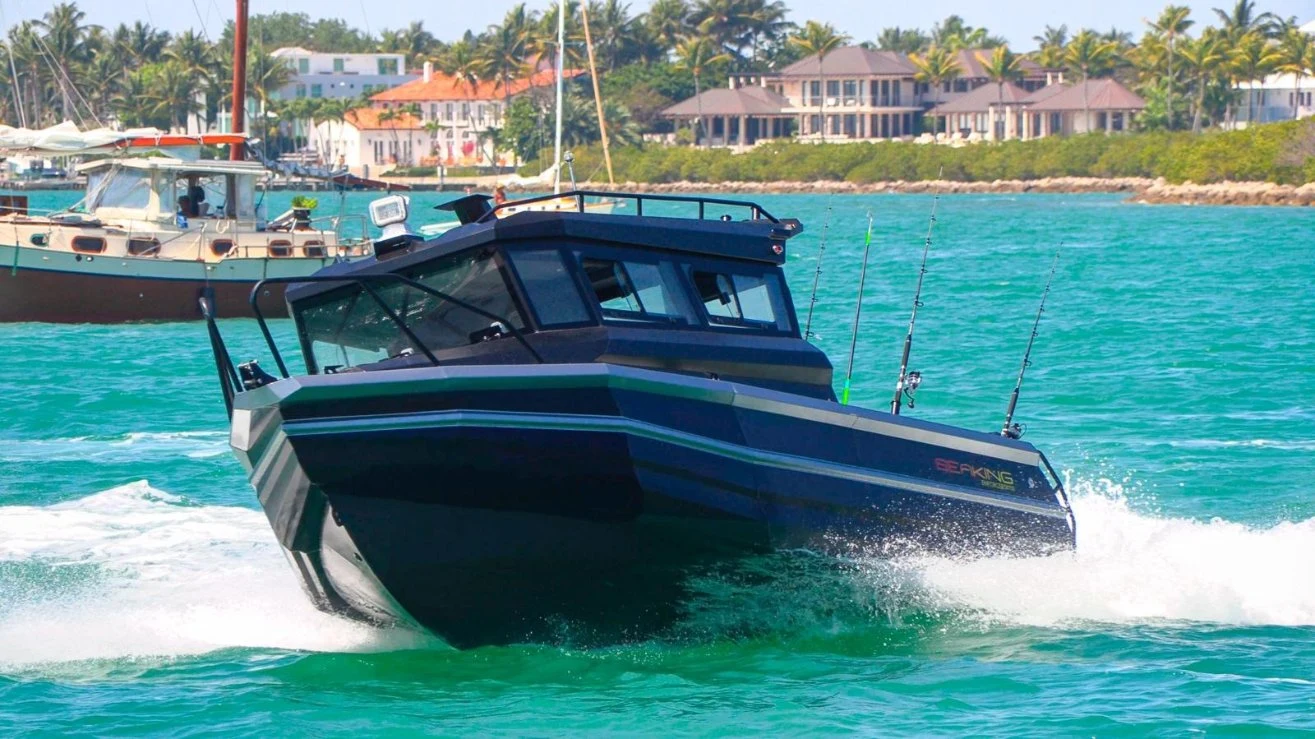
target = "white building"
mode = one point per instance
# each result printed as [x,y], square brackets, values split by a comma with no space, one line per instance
[370,141]
[460,111]
[333,75]
[1278,97]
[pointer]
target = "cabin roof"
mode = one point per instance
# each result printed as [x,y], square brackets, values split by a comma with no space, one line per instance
[735,240]
[165,164]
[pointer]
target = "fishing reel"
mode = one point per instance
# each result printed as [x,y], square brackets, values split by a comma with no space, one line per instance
[1014,431]
[912,382]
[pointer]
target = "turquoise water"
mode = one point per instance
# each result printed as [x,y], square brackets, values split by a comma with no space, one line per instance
[141,590]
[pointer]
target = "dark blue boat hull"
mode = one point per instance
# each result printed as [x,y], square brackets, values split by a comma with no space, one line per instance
[496,504]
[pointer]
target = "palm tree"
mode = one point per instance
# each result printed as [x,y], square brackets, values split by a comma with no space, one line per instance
[938,66]
[1253,57]
[767,23]
[819,39]
[1243,20]
[695,53]
[1002,66]
[726,22]
[1052,37]
[1088,54]
[668,22]
[1203,59]
[1173,22]
[905,40]
[1296,50]
[64,44]
[501,57]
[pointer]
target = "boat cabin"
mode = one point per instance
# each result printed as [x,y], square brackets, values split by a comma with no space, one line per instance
[161,189]
[699,295]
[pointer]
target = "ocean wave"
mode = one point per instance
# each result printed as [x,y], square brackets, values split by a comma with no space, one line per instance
[191,444]
[156,576]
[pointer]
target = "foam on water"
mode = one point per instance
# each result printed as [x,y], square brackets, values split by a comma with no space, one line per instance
[137,572]
[155,575]
[1130,567]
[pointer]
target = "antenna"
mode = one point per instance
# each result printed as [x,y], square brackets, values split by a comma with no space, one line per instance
[908,381]
[858,311]
[1011,429]
[817,275]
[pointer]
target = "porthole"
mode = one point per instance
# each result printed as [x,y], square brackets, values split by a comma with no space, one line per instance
[138,247]
[88,244]
[280,248]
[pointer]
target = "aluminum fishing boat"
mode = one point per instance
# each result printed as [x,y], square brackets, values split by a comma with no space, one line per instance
[555,417]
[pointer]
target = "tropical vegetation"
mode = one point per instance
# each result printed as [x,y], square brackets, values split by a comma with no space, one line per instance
[1191,70]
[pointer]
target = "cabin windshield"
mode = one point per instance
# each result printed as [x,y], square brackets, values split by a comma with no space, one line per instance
[207,195]
[119,188]
[349,328]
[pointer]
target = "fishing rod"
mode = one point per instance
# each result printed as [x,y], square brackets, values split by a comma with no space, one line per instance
[1010,429]
[909,381]
[817,275]
[858,311]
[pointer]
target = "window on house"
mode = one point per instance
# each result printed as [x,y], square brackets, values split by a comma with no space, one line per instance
[833,88]
[338,64]
[479,112]
[814,92]
[465,111]
[367,89]
[850,88]
[447,111]
[317,91]
[303,66]
[387,66]
[301,91]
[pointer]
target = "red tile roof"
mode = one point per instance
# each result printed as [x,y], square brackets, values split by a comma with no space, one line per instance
[446,87]
[367,119]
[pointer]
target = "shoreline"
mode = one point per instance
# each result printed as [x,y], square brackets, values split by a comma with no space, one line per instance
[1138,189]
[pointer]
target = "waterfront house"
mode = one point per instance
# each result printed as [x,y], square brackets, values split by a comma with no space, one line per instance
[1002,112]
[854,94]
[370,141]
[1277,97]
[461,111]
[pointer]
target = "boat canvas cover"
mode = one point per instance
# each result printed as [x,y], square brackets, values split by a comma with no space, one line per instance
[65,139]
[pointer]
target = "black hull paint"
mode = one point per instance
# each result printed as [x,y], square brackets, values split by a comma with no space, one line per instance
[495,505]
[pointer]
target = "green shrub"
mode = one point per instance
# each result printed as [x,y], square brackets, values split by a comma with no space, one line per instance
[1280,152]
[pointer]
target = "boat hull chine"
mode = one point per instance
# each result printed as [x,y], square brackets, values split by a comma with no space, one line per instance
[447,507]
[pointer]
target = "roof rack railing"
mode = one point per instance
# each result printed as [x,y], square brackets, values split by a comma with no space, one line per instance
[758,212]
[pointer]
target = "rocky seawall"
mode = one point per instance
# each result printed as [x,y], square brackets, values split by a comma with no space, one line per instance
[1138,189]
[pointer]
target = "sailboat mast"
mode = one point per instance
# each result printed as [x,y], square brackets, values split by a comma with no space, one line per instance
[239,78]
[561,56]
[598,95]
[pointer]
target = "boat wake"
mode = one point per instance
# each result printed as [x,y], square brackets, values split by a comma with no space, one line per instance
[136,572]
[1132,567]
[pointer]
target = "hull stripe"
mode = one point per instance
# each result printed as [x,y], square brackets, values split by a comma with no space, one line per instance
[568,422]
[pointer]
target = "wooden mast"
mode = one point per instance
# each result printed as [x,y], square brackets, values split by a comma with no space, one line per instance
[239,117]
[598,96]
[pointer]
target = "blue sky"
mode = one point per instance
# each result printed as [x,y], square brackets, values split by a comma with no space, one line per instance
[1017,20]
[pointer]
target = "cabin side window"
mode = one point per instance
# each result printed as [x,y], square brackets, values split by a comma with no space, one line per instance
[552,293]
[742,301]
[630,291]
[350,328]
